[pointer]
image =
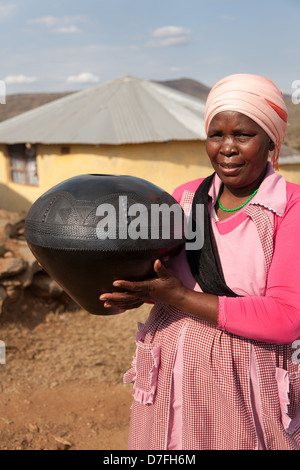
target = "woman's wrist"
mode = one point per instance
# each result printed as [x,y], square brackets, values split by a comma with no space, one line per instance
[199,304]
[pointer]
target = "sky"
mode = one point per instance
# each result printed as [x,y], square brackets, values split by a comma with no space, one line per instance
[67,45]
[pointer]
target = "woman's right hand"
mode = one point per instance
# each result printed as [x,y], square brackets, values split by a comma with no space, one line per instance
[164,288]
[122,300]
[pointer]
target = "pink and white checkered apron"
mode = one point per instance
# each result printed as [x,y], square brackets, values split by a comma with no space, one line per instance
[217,404]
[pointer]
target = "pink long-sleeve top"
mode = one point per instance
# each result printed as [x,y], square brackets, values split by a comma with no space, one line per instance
[269,309]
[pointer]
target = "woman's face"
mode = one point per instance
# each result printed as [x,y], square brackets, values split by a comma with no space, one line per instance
[238,149]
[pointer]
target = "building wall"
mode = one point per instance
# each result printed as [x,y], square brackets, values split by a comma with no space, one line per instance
[14,196]
[164,164]
[290,172]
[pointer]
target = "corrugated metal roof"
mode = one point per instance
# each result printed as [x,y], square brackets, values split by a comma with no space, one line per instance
[121,111]
[288,156]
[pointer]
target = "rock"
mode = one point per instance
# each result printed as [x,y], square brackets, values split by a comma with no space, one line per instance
[19,269]
[11,282]
[3,295]
[10,223]
[22,250]
[15,293]
[5,228]
[62,444]
[43,286]
[26,277]
[11,266]
[33,428]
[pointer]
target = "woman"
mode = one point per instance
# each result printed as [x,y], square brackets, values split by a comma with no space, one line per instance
[216,365]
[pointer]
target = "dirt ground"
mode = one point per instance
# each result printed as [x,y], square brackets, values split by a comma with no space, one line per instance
[61,386]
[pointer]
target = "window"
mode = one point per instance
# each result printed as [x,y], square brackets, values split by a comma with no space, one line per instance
[65,150]
[22,164]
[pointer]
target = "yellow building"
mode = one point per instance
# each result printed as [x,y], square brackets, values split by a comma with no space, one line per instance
[164,164]
[125,126]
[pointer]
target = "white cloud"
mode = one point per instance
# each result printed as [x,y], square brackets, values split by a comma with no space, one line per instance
[19,79]
[67,29]
[174,69]
[170,31]
[6,9]
[64,24]
[84,77]
[172,41]
[45,20]
[168,36]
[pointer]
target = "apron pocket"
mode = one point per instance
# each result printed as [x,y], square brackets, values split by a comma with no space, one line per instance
[144,372]
[289,396]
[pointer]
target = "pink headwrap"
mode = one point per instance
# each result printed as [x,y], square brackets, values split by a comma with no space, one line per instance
[255,96]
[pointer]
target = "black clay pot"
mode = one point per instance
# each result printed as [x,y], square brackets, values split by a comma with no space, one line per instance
[90,230]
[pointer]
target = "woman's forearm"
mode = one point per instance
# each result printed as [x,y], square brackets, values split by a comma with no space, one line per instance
[204,306]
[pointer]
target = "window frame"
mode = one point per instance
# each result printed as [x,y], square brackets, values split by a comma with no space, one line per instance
[23,152]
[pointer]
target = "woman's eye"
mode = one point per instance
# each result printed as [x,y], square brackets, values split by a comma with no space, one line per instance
[215,136]
[243,136]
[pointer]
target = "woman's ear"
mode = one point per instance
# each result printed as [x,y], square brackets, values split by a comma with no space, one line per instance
[271,145]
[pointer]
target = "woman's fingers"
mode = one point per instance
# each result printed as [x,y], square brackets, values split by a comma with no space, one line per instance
[122,300]
[126,285]
[118,297]
[125,306]
[144,286]
[136,293]
[161,270]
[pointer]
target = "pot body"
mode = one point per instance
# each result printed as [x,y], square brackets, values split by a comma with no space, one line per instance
[90,230]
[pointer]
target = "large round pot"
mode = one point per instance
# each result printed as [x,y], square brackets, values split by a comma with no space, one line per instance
[90,230]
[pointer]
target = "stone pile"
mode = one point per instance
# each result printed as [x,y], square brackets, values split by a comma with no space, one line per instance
[19,269]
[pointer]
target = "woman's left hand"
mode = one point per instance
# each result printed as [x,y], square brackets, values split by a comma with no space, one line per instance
[165,288]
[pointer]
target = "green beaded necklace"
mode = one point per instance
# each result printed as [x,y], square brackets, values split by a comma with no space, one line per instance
[237,208]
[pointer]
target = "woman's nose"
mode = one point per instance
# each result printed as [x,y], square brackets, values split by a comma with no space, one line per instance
[228,148]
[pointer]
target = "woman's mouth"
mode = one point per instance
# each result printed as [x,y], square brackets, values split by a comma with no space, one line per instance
[230,169]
